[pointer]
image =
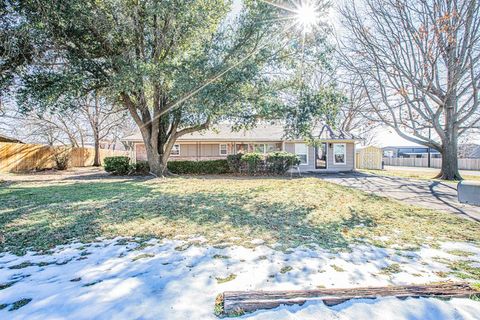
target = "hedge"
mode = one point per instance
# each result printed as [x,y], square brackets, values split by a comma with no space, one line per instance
[117,165]
[280,162]
[199,167]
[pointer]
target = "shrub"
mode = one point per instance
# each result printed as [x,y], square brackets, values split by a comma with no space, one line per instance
[235,162]
[280,162]
[199,167]
[117,165]
[253,161]
[141,167]
[61,157]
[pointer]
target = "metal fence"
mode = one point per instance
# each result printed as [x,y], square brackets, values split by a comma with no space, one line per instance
[463,164]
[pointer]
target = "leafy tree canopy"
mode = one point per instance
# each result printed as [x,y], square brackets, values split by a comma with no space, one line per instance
[177,66]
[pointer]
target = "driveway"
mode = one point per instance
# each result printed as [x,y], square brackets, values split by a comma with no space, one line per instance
[429,194]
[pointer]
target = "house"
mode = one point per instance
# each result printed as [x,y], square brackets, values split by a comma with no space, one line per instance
[410,152]
[335,150]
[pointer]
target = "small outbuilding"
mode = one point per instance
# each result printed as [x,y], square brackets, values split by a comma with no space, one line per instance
[369,157]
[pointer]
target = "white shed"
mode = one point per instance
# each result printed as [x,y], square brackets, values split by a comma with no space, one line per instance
[369,157]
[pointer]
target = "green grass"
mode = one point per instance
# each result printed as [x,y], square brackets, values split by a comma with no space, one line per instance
[143,256]
[289,212]
[392,269]
[464,269]
[230,277]
[461,253]
[19,304]
[286,269]
[337,268]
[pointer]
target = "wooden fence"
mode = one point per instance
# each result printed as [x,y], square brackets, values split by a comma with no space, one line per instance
[463,164]
[18,157]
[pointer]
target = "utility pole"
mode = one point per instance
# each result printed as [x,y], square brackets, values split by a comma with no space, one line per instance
[429,138]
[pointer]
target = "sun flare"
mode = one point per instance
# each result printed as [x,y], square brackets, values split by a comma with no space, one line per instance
[307,15]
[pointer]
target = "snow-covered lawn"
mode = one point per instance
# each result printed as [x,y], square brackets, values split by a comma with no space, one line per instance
[125,278]
[83,245]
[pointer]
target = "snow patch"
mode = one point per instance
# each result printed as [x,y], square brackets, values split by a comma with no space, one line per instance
[122,279]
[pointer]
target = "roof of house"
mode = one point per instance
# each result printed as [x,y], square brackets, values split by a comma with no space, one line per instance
[262,132]
[4,138]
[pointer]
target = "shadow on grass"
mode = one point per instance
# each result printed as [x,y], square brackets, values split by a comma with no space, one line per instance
[45,216]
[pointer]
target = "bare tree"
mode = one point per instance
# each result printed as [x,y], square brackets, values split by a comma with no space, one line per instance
[104,119]
[59,128]
[95,121]
[419,63]
[354,114]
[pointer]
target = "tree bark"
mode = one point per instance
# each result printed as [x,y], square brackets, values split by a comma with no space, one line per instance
[96,157]
[449,170]
[449,151]
[156,161]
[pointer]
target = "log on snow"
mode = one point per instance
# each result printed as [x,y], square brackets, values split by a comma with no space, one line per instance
[238,302]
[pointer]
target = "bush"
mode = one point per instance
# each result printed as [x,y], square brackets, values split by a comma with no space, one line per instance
[253,161]
[141,167]
[235,162]
[199,167]
[117,165]
[280,162]
[62,157]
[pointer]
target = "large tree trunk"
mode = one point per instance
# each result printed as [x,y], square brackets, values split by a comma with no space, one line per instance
[449,169]
[449,150]
[156,161]
[96,157]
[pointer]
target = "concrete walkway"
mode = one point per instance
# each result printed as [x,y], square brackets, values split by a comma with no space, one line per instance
[429,194]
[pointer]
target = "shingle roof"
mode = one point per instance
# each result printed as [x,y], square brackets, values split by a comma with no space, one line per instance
[328,133]
[262,132]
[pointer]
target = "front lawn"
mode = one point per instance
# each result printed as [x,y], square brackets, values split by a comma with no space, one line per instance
[282,212]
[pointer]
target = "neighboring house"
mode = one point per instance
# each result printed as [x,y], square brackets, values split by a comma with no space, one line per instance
[335,151]
[469,151]
[410,152]
[4,138]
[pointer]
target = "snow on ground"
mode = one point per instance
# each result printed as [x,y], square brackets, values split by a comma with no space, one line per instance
[169,279]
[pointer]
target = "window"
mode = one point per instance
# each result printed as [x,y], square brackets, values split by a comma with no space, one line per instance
[241,148]
[260,148]
[339,153]
[175,150]
[301,150]
[271,147]
[388,153]
[223,150]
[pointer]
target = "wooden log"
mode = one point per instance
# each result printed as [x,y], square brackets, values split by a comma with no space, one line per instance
[239,302]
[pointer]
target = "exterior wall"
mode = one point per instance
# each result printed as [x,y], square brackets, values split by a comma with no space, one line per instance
[188,151]
[211,151]
[331,167]
[140,152]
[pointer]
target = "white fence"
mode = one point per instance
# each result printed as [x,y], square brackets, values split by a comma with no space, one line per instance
[463,164]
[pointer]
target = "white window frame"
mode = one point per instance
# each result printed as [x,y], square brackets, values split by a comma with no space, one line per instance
[306,147]
[175,146]
[220,149]
[344,154]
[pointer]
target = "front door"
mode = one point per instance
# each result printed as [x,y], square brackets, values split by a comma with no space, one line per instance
[321,156]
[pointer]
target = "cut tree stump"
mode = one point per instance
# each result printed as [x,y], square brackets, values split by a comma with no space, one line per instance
[232,303]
